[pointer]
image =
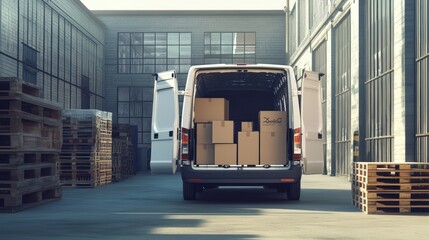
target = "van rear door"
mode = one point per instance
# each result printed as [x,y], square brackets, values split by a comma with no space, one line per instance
[165,123]
[311,123]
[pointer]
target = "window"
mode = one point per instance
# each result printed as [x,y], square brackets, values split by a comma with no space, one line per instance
[85,93]
[229,47]
[29,59]
[135,108]
[379,80]
[342,97]
[422,62]
[153,52]
[292,31]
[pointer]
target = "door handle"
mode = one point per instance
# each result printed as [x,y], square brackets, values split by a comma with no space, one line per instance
[170,134]
[155,135]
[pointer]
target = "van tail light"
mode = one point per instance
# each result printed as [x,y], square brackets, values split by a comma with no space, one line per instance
[185,144]
[297,145]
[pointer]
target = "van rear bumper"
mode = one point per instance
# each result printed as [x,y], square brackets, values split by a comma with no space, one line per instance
[241,177]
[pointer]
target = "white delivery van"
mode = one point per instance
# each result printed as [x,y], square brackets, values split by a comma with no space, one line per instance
[248,91]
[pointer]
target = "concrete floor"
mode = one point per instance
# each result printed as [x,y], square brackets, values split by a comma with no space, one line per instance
[151,207]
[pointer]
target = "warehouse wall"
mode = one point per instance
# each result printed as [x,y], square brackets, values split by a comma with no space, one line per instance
[57,45]
[203,27]
[370,84]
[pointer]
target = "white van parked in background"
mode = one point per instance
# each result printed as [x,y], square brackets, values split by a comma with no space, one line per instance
[249,89]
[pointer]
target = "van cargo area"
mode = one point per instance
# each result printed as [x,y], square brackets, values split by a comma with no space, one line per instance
[245,94]
[248,93]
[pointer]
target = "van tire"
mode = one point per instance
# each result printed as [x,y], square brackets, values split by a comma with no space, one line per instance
[189,191]
[293,191]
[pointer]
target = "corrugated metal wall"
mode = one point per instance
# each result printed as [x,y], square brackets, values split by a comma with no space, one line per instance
[422,86]
[379,80]
[342,97]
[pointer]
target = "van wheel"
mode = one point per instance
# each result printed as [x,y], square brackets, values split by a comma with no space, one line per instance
[293,191]
[189,192]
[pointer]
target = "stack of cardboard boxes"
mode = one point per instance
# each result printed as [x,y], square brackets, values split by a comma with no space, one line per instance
[215,136]
[208,113]
[272,126]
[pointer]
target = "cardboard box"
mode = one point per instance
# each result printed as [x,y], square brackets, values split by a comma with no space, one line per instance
[273,148]
[247,126]
[211,109]
[204,133]
[248,148]
[225,154]
[272,121]
[223,132]
[205,154]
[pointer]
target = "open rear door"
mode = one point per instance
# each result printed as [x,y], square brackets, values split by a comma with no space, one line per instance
[311,119]
[165,123]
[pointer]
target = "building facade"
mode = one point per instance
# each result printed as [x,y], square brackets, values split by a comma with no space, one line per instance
[140,43]
[375,90]
[57,45]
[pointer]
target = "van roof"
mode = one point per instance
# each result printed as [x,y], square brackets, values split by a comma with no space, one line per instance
[235,66]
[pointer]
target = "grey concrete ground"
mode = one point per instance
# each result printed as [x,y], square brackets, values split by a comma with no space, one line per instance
[151,207]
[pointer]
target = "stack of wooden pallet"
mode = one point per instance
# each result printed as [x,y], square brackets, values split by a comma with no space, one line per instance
[391,187]
[86,154]
[123,152]
[30,142]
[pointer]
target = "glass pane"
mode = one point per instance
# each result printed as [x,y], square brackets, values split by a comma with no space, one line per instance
[238,49]
[136,38]
[184,68]
[226,49]
[124,61]
[137,52]
[226,38]
[137,122]
[123,120]
[149,51]
[250,38]
[185,61]
[147,124]
[137,61]
[161,38]
[123,94]
[123,109]
[149,38]
[147,94]
[124,39]
[239,38]
[124,68]
[185,51]
[149,61]
[207,37]
[136,109]
[173,61]
[215,38]
[174,67]
[123,52]
[161,68]
[161,61]
[136,68]
[173,51]
[173,39]
[147,108]
[185,38]
[149,69]
[161,52]
[207,49]
[215,49]
[136,94]
[250,49]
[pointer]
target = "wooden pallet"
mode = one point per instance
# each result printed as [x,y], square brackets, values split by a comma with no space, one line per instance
[27,199]
[391,187]
[20,158]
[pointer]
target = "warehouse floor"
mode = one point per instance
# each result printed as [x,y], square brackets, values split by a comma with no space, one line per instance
[151,207]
